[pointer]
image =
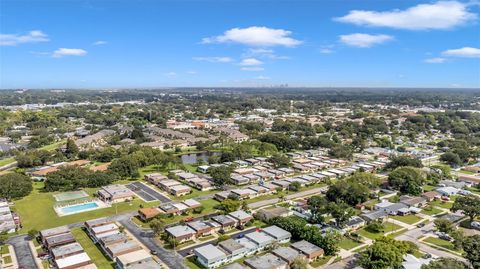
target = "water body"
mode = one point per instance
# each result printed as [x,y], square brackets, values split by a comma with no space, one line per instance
[193,157]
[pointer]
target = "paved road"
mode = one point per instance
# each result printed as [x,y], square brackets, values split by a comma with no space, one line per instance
[170,258]
[186,252]
[25,257]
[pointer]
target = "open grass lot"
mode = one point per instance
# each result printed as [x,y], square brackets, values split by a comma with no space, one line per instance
[440,242]
[347,243]
[320,261]
[429,187]
[191,263]
[442,204]
[7,259]
[409,219]
[395,234]
[36,210]
[7,161]
[4,249]
[92,250]
[431,211]
[389,227]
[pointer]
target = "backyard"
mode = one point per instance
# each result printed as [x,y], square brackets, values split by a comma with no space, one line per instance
[389,227]
[92,249]
[409,219]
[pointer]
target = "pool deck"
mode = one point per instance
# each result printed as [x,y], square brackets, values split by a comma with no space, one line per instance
[100,204]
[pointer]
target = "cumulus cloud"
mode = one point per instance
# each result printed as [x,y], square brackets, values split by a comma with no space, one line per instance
[263,53]
[30,37]
[364,40]
[257,36]
[434,16]
[467,52]
[214,59]
[250,62]
[262,78]
[99,43]
[253,68]
[437,60]
[69,52]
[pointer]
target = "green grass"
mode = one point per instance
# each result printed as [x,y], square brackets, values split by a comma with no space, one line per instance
[206,238]
[54,145]
[395,234]
[100,260]
[36,210]
[431,211]
[320,261]
[360,249]
[4,249]
[440,242]
[466,172]
[409,219]
[7,259]
[45,264]
[7,161]
[442,204]
[388,228]
[347,243]
[429,187]
[191,263]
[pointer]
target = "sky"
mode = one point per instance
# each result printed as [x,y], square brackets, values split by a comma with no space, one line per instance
[238,43]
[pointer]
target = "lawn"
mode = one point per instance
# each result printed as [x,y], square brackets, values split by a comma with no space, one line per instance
[100,260]
[36,210]
[7,259]
[429,187]
[440,242]
[347,243]
[191,263]
[206,238]
[409,219]
[442,204]
[431,211]
[7,161]
[395,234]
[389,227]
[320,261]
[4,249]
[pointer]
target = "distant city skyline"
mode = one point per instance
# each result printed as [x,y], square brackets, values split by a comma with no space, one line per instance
[151,44]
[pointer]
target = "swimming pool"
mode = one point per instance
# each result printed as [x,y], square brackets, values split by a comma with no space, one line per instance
[77,208]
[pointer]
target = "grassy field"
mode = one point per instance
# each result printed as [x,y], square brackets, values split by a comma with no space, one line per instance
[36,210]
[409,219]
[92,250]
[440,242]
[442,204]
[7,161]
[4,249]
[347,243]
[388,228]
[431,211]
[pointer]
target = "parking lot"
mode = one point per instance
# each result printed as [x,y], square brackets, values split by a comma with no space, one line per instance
[146,193]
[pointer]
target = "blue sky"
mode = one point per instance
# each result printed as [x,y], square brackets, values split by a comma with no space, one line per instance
[110,44]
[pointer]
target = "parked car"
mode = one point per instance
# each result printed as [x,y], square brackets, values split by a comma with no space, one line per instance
[475,225]
[420,225]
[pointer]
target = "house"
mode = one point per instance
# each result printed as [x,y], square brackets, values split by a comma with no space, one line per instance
[431,195]
[115,193]
[122,248]
[278,233]
[373,215]
[267,214]
[210,256]
[455,184]
[179,190]
[220,196]
[260,239]
[192,203]
[234,249]
[447,191]
[66,250]
[287,254]
[239,179]
[58,240]
[267,261]
[104,230]
[225,222]
[181,233]
[311,251]
[80,260]
[241,217]
[90,224]
[413,201]
[139,259]
[148,213]
[44,234]
[154,178]
[201,228]
[169,208]
[112,239]
[243,193]
[355,223]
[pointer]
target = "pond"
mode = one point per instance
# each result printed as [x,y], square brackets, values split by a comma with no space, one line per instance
[193,157]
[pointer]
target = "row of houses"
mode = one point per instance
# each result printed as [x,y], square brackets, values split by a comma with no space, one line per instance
[230,250]
[64,250]
[9,222]
[42,172]
[118,246]
[171,186]
[170,208]
[115,193]
[191,179]
[219,223]
[407,205]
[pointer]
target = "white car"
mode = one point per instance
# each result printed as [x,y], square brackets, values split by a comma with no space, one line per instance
[475,225]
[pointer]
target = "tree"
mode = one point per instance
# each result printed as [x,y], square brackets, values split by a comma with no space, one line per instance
[71,149]
[384,253]
[33,233]
[341,212]
[300,263]
[444,225]
[228,205]
[318,206]
[445,263]
[220,175]
[340,151]
[470,205]
[471,249]
[15,185]
[126,166]
[451,158]
[403,160]
[294,186]
[157,226]
[407,179]
[350,192]
[375,227]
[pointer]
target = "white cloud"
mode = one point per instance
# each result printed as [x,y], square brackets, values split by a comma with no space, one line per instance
[214,59]
[439,15]
[437,60]
[467,52]
[69,52]
[99,43]
[255,36]
[170,74]
[250,62]
[254,68]
[262,78]
[326,51]
[364,40]
[192,72]
[263,53]
[30,37]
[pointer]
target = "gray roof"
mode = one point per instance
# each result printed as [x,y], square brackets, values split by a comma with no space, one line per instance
[277,232]
[306,247]
[180,230]
[260,238]
[210,252]
[286,253]
[266,261]
[54,231]
[67,249]
[230,245]
[123,246]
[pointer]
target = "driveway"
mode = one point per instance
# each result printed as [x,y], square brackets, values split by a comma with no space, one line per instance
[24,255]
[170,258]
[146,193]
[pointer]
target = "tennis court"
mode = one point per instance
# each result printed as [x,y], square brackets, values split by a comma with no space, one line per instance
[71,195]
